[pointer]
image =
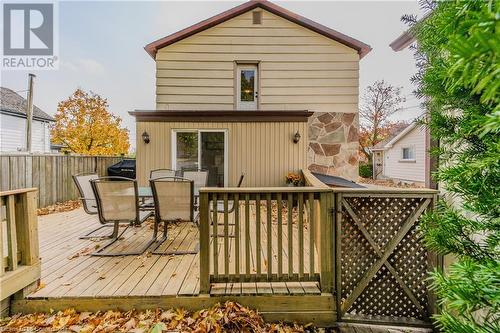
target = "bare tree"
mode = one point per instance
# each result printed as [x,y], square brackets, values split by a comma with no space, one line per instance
[380,101]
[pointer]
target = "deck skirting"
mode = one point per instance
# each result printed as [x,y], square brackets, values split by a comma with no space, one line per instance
[317,309]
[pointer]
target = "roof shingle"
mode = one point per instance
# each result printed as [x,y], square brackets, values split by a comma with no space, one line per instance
[11,101]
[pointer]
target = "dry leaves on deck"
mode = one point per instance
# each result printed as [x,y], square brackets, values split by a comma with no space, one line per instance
[284,213]
[86,251]
[59,207]
[229,317]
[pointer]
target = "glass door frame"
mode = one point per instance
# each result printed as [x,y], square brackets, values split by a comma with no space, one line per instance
[199,131]
[242,105]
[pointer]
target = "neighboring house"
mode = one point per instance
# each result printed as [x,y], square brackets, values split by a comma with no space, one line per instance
[406,39]
[402,156]
[13,124]
[257,90]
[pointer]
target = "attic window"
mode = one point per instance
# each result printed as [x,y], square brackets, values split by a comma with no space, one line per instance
[257,17]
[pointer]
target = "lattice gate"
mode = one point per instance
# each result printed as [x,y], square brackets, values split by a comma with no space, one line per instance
[382,265]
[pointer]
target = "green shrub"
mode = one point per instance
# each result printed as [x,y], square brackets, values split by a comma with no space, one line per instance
[457,52]
[365,170]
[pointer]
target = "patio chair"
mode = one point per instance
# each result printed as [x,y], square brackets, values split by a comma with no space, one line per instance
[220,203]
[118,203]
[148,203]
[161,173]
[200,179]
[174,201]
[220,206]
[87,197]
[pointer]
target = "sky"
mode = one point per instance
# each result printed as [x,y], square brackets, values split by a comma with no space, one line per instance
[101,48]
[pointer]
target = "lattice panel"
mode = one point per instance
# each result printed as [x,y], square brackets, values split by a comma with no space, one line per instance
[371,286]
[384,297]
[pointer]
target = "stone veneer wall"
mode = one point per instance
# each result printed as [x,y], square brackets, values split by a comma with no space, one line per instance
[333,144]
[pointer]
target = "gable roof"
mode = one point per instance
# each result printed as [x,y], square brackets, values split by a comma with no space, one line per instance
[403,41]
[407,37]
[395,137]
[361,47]
[13,103]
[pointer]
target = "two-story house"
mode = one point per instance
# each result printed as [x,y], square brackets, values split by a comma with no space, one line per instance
[257,90]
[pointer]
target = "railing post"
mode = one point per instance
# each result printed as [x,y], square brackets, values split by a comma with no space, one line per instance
[2,267]
[337,213]
[204,243]
[12,226]
[326,242]
[435,261]
[27,228]
[22,236]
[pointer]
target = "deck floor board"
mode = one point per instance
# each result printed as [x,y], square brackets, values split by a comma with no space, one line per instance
[69,271]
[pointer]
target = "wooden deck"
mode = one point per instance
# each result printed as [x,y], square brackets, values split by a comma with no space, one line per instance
[71,278]
[69,271]
[271,250]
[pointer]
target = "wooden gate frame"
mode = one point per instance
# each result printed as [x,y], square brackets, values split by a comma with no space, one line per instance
[383,254]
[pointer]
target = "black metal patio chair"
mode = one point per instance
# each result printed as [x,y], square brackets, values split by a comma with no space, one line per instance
[220,207]
[89,203]
[174,201]
[231,203]
[161,173]
[118,203]
[200,179]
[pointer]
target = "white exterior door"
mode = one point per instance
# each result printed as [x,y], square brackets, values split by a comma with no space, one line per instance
[247,85]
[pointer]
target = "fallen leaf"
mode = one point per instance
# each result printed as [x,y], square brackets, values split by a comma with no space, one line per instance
[130,324]
[59,207]
[227,317]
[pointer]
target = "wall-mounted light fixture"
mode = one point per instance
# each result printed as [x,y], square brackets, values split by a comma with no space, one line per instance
[296,137]
[145,137]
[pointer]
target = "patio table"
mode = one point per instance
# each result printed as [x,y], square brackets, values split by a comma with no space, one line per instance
[145,192]
[145,195]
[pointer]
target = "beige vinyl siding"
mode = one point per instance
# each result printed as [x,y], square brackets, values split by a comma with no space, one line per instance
[395,168]
[299,69]
[252,149]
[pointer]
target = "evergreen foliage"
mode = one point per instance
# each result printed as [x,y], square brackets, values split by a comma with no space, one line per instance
[458,43]
[365,170]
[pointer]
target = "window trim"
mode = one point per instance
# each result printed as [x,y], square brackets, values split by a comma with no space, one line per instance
[408,160]
[173,147]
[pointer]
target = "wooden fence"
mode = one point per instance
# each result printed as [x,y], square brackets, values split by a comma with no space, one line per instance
[20,263]
[51,174]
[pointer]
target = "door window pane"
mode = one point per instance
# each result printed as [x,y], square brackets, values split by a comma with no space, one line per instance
[187,150]
[212,157]
[247,85]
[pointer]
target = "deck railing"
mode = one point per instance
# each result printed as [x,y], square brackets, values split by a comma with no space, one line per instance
[19,264]
[266,234]
[361,244]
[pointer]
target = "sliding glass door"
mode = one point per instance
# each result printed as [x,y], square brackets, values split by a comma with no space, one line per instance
[201,149]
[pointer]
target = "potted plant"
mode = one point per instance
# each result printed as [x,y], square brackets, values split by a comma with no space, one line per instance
[293,179]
